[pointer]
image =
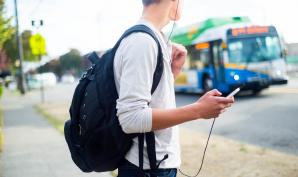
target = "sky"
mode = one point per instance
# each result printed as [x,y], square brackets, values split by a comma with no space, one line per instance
[89,25]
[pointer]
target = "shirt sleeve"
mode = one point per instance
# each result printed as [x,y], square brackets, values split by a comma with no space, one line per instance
[138,53]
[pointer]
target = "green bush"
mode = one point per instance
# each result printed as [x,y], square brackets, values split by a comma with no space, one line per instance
[1,90]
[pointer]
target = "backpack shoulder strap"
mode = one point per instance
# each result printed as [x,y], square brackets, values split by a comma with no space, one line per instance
[159,66]
[150,137]
[93,57]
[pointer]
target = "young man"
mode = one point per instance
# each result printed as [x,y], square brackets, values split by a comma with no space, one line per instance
[139,111]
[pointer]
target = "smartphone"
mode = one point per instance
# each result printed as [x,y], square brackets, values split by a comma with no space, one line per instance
[234,92]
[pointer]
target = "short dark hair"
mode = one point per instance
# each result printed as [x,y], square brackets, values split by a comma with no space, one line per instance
[149,2]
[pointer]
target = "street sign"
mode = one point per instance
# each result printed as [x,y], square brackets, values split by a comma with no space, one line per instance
[38,44]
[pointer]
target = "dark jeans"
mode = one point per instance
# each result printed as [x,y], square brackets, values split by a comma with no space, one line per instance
[128,169]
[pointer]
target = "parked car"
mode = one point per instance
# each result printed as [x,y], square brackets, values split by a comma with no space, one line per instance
[68,79]
[45,79]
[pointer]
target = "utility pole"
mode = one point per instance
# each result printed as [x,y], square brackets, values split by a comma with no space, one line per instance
[20,47]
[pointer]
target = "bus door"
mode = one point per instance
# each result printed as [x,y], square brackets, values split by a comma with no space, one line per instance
[216,53]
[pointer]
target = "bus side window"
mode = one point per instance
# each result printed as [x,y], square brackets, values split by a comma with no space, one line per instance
[198,58]
[194,58]
[205,57]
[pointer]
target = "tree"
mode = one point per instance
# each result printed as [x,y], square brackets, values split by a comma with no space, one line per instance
[6,30]
[28,55]
[71,62]
[11,47]
[51,66]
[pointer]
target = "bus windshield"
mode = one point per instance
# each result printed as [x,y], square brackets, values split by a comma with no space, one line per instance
[254,49]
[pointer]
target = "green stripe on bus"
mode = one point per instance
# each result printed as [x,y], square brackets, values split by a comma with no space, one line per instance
[187,35]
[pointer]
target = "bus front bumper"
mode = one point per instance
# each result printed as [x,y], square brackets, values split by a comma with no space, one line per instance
[255,85]
[279,81]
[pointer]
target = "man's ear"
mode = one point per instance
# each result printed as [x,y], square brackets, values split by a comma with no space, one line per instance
[175,12]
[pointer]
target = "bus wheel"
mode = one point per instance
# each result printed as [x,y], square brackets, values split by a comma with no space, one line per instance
[256,92]
[207,83]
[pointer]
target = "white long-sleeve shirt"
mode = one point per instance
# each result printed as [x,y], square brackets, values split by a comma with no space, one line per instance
[134,66]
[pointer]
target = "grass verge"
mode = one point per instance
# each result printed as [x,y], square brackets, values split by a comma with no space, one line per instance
[57,123]
[225,157]
[56,119]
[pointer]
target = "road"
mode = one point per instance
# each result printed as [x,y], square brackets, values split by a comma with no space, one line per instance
[269,120]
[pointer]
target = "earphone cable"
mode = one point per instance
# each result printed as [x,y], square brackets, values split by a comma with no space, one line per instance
[204,154]
[202,162]
[174,24]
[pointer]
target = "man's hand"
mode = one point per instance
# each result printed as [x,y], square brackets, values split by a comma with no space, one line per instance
[211,105]
[179,54]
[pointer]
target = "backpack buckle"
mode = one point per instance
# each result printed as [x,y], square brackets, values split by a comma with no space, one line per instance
[83,76]
[91,77]
[80,129]
[89,73]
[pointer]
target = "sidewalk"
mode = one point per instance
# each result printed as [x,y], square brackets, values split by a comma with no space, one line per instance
[32,147]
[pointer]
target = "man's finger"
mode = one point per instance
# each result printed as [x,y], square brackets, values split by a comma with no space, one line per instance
[214,92]
[224,100]
[222,111]
[228,106]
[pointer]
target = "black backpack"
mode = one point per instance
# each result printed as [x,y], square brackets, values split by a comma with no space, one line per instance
[93,133]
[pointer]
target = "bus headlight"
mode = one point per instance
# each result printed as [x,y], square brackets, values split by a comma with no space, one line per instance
[278,73]
[236,77]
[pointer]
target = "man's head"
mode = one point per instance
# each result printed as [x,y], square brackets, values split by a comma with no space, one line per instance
[149,2]
[172,7]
